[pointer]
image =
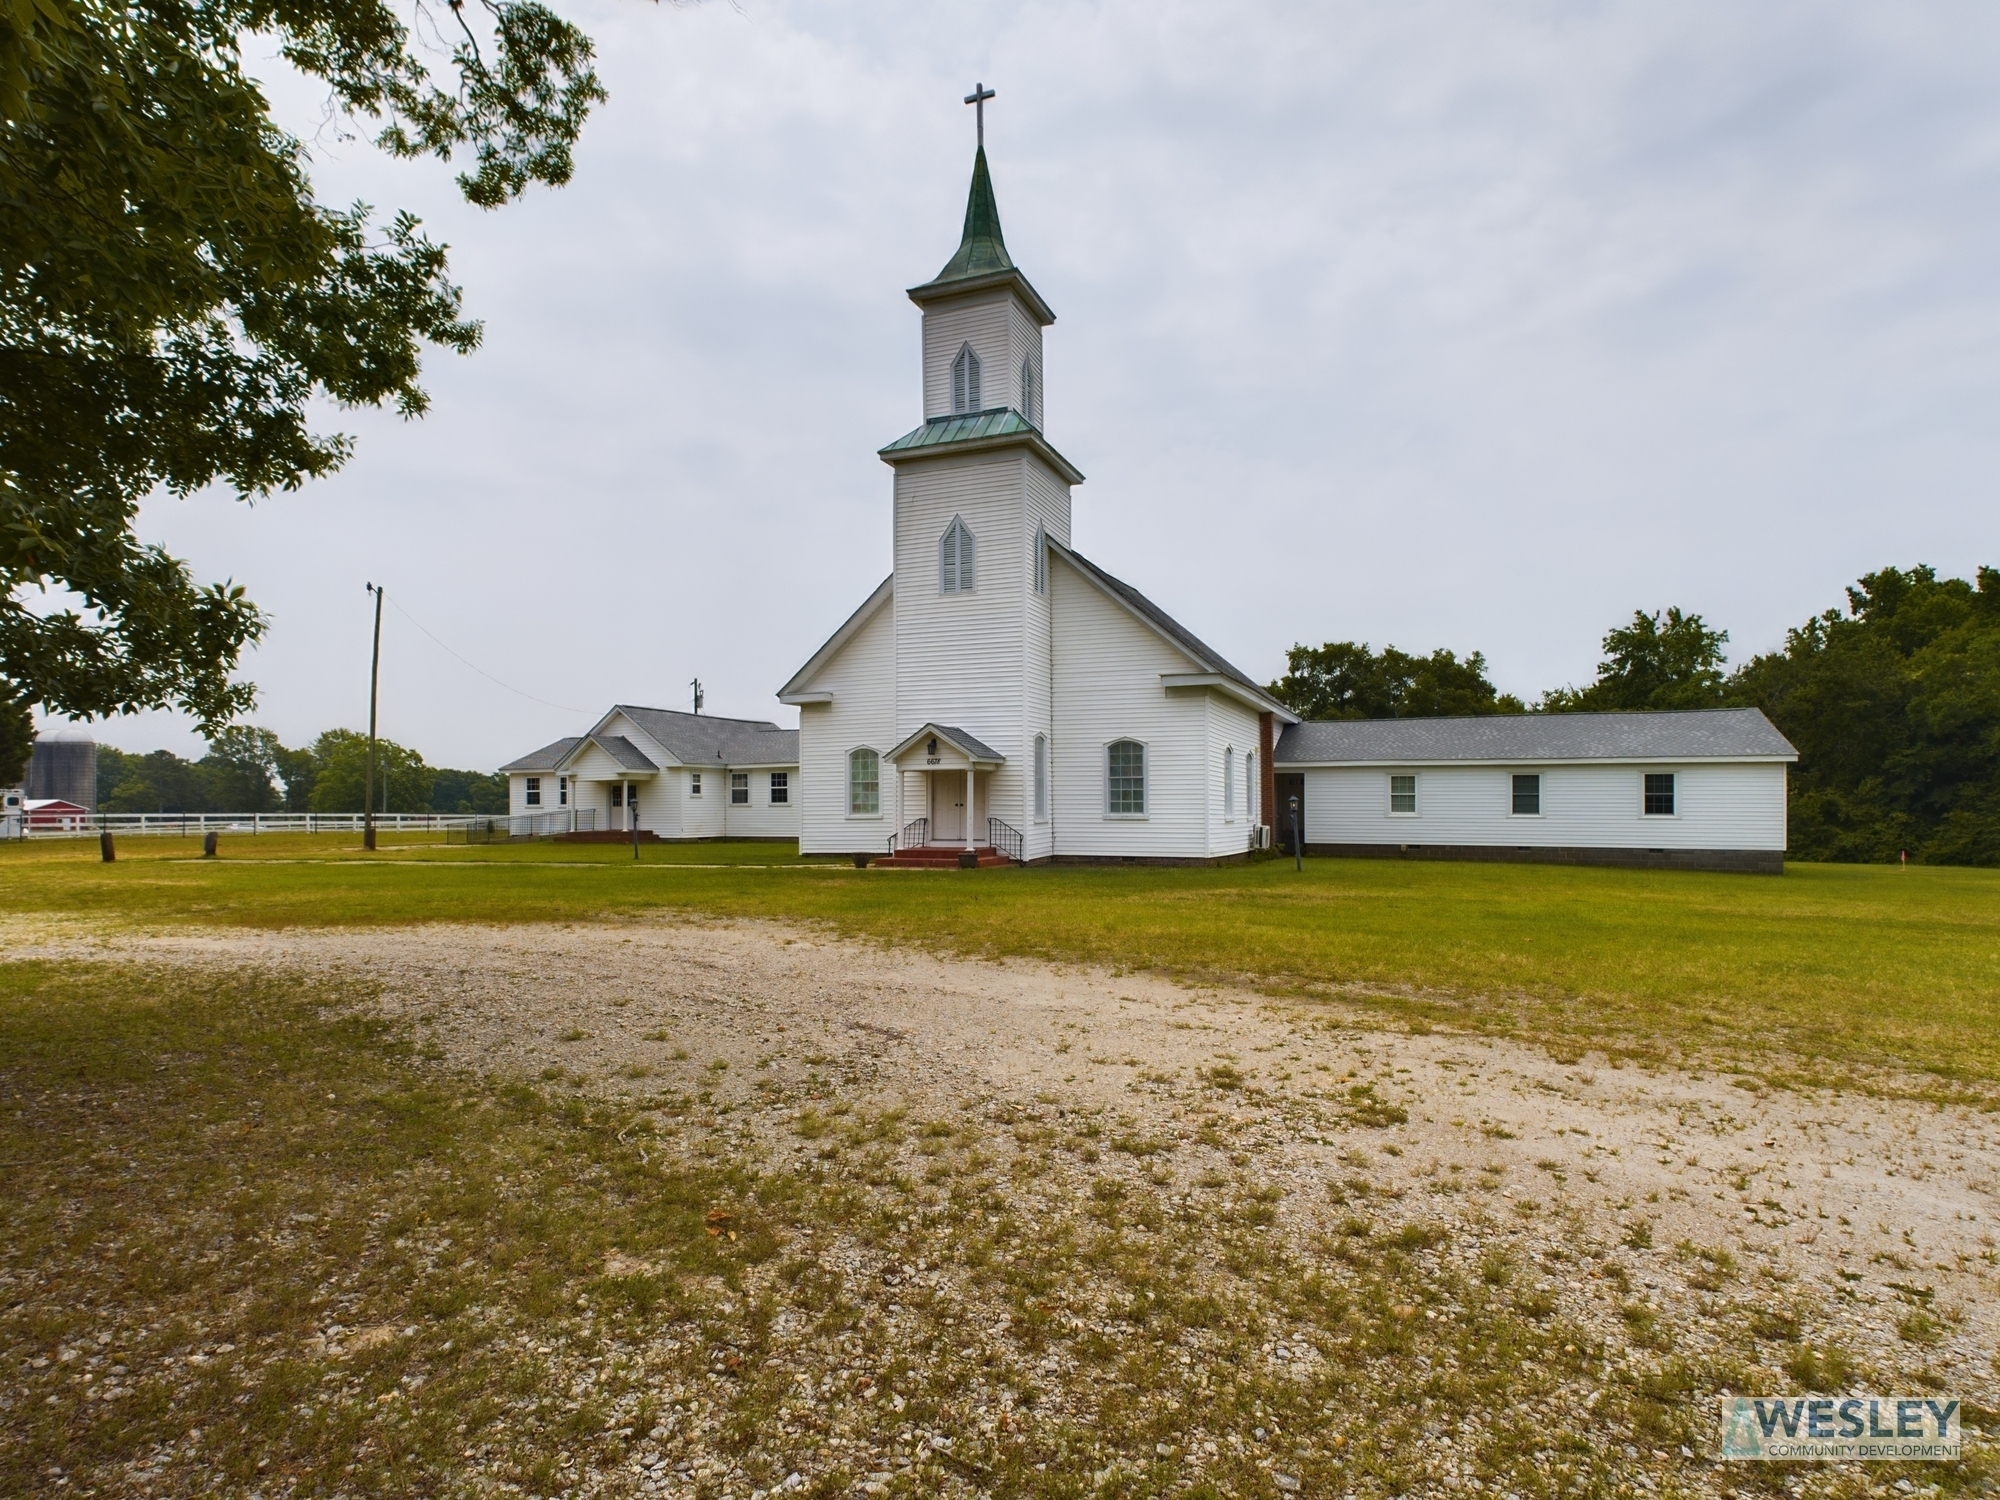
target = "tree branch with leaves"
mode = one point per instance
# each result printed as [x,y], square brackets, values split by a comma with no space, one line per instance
[173,298]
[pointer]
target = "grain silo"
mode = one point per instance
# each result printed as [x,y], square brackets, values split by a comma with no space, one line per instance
[64,768]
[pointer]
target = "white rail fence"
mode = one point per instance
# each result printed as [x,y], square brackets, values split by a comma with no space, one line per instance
[194,825]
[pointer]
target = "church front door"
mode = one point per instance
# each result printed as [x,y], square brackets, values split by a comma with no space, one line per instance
[947,807]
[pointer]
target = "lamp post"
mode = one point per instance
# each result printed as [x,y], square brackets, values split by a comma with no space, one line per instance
[1298,843]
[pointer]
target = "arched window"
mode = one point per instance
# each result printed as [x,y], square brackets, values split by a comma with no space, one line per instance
[1250,785]
[1229,784]
[1030,397]
[955,573]
[864,783]
[1125,779]
[1041,779]
[965,381]
[1041,561]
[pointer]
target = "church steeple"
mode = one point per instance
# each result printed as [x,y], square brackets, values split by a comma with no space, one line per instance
[982,250]
[982,260]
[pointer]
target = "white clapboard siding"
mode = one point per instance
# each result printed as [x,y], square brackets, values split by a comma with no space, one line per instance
[861,676]
[704,816]
[961,657]
[987,321]
[1024,345]
[1597,806]
[761,818]
[1232,727]
[1107,687]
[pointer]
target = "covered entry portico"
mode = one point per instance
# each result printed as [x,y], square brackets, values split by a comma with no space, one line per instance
[954,770]
[604,776]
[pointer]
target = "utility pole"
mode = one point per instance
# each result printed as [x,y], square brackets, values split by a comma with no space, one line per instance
[374,682]
[697,695]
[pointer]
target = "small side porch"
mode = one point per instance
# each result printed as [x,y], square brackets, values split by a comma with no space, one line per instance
[955,830]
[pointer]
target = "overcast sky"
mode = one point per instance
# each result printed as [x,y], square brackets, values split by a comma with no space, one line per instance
[1434,325]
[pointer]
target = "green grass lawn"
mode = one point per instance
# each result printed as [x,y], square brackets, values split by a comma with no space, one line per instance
[1829,972]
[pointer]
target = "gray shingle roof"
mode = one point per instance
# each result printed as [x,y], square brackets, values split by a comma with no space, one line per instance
[1692,734]
[622,750]
[703,739]
[974,747]
[545,759]
[1165,623]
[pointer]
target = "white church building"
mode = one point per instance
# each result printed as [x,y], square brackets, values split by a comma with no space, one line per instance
[999,697]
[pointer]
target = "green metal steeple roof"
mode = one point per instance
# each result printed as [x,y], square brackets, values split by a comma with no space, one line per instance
[982,250]
[982,259]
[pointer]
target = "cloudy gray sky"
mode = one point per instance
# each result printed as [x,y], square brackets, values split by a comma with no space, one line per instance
[1433,324]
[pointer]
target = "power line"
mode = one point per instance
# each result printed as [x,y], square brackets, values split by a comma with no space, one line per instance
[481,670]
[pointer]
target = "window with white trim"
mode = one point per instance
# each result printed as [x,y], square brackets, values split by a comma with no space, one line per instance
[694,783]
[965,381]
[1030,397]
[533,795]
[739,788]
[955,561]
[562,791]
[864,784]
[1250,786]
[1527,801]
[1125,779]
[1659,794]
[1041,779]
[781,788]
[1403,795]
[1041,560]
[1229,785]
[617,794]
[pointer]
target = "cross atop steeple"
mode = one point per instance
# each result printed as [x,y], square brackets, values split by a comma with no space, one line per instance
[977,99]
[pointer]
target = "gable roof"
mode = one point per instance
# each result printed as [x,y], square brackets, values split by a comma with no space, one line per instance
[622,750]
[794,691]
[1175,633]
[971,747]
[1687,734]
[704,740]
[545,759]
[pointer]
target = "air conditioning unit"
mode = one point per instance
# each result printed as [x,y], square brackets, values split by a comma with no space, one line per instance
[1260,836]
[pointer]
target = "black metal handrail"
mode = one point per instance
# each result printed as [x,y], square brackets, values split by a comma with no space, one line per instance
[1006,840]
[920,827]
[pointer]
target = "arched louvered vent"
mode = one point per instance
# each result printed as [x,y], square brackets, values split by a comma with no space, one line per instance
[965,381]
[955,565]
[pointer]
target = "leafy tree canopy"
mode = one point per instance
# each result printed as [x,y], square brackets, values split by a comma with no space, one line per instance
[173,299]
[248,770]
[1661,660]
[1894,706]
[1346,680]
[340,758]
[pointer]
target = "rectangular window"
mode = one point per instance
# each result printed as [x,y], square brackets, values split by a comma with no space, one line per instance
[781,788]
[1403,794]
[1125,778]
[694,783]
[617,794]
[739,788]
[1659,794]
[1527,796]
[562,791]
[534,796]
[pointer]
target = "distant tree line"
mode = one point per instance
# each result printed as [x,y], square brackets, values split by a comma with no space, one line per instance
[247,770]
[1893,704]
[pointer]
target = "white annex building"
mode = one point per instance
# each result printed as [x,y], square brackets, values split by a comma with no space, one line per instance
[1000,697]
